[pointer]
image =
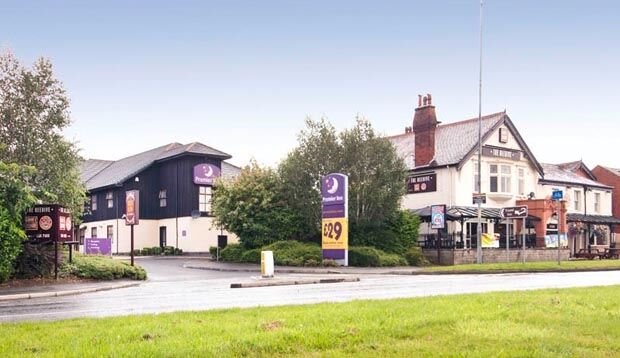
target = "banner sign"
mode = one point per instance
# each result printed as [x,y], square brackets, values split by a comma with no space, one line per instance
[501,153]
[552,240]
[205,174]
[49,223]
[132,207]
[335,222]
[98,246]
[513,212]
[438,216]
[422,183]
[490,240]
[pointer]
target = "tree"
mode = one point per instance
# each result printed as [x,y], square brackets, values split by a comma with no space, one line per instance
[376,173]
[15,198]
[34,110]
[252,207]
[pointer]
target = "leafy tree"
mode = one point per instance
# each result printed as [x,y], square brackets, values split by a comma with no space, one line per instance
[34,110]
[253,207]
[15,198]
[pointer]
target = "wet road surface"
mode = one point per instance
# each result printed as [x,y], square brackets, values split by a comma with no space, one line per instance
[174,288]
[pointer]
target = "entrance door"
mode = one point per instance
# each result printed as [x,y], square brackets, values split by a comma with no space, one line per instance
[162,236]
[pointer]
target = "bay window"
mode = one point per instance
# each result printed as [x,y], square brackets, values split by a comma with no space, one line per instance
[500,178]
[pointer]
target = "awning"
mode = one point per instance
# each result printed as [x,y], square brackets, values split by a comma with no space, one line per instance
[593,219]
[458,213]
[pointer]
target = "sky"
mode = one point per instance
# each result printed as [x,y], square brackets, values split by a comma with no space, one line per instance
[241,76]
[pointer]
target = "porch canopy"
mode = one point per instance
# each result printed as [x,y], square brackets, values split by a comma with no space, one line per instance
[462,213]
[592,219]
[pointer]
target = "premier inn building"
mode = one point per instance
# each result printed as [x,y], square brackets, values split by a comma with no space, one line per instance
[175,184]
[442,162]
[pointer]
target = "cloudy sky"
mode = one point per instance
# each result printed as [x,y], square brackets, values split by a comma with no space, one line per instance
[241,76]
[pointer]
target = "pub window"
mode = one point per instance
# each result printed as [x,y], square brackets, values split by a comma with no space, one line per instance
[109,197]
[505,178]
[521,173]
[162,198]
[576,200]
[93,232]
[110,231]
[93,202]
[204,198]
[82,235]
[597,202]
[500,178]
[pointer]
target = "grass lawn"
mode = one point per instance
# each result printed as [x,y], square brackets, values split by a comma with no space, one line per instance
[530,266]
[581,322]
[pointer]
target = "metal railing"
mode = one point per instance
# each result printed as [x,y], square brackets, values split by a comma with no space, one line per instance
[454,241]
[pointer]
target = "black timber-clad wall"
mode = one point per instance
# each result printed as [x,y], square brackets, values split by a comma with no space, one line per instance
[164,175]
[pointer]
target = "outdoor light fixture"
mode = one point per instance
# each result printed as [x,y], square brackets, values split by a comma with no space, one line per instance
[137,179]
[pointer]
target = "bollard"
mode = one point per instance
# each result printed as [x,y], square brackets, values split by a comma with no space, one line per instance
[266,264]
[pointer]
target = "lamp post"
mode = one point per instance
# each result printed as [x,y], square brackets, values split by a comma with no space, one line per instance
[479,184]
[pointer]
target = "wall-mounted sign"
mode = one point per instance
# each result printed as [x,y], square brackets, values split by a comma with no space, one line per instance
[335,223]
[438,216]
[132,207]
[557,194]
[501,153]
[49,223]
[98,246]
[503,135]
[205,174]
[479,198]
[423,183]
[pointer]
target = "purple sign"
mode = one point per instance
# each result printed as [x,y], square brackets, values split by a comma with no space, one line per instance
[205,174]
[333,254]
[98,246]
[333,187]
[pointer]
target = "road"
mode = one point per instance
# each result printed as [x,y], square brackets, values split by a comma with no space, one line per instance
[174,288]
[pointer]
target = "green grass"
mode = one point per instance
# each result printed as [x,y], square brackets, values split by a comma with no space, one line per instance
[101,268]
[530,266]
[569,322]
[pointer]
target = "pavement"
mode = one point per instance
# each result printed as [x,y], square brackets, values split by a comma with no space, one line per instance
[208,264]
[65,289]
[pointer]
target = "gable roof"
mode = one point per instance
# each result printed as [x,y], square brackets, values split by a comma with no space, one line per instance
[557,173]
[576,166]
[613,171]
[458,141]
[90,168]
[116,172]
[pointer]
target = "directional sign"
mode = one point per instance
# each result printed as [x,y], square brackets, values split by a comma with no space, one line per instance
[514,212]
[557,194]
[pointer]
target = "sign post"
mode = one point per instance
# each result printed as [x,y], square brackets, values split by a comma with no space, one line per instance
[514,212]
[335,218]
[557,195]
[438,221]
[45,223]
[132,213]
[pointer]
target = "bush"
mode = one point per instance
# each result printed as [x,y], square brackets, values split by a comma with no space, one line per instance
[178,251]
[232,253]
[168,250]
[252,256]
[415,257]
[213,251]
[101,268]
[155,250]
[395,236]
[366,256]
[391,260]
[294,253]
[146,251]
[330,263]
[36,260]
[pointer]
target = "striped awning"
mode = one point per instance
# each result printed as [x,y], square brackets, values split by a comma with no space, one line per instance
[458,213]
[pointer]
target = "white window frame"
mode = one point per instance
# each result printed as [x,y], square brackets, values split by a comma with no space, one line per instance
[521,181]
[503,179]
[577,200]
[597,202]
[109,197]
[163,196]
[93,202]
[205,194]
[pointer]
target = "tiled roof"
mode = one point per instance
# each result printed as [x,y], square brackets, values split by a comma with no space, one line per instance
[118,171]
[556,173]
[453,141]
[229,171]
[90,168]
[613,170]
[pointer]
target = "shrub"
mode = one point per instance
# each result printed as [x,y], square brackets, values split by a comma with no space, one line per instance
[168,250]
[178,251]
[155,250]
[294,253]
[36,260]
[364,256]
[252,256]
[330,263]
[101,268]
[232,253]
[386,259]
[146,251]
[213,251]
[415,257]
[394,236]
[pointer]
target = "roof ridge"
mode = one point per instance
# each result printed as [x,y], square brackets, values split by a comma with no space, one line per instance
[465,121]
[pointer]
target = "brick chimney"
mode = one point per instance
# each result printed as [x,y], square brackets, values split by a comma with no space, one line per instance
[424,125]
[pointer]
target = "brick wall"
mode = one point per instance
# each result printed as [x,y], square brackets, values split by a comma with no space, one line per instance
[461,257]
[608,178]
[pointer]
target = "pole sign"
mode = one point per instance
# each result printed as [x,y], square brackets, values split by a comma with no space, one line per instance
[335,218]
[132,207]
[479,198]
[514,212]
[557,194]
[49,223]
[438,216]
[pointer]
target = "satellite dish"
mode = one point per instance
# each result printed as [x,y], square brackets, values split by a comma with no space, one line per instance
[195,214]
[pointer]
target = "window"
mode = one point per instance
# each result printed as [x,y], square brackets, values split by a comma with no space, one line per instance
[109,197]
[576,200]
[500,178]
[204,198]
[476,178]
[521,173]
[110,231]
[93,232]
[162,198]
[597,202]
[82,235]
[93,202]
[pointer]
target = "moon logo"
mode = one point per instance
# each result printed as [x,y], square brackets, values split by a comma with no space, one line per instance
[333,187]
[209,171]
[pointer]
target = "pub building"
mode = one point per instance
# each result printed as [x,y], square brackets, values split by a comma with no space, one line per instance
[175,184]
[442,164]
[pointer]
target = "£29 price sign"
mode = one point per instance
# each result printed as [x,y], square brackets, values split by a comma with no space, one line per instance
[335,233]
